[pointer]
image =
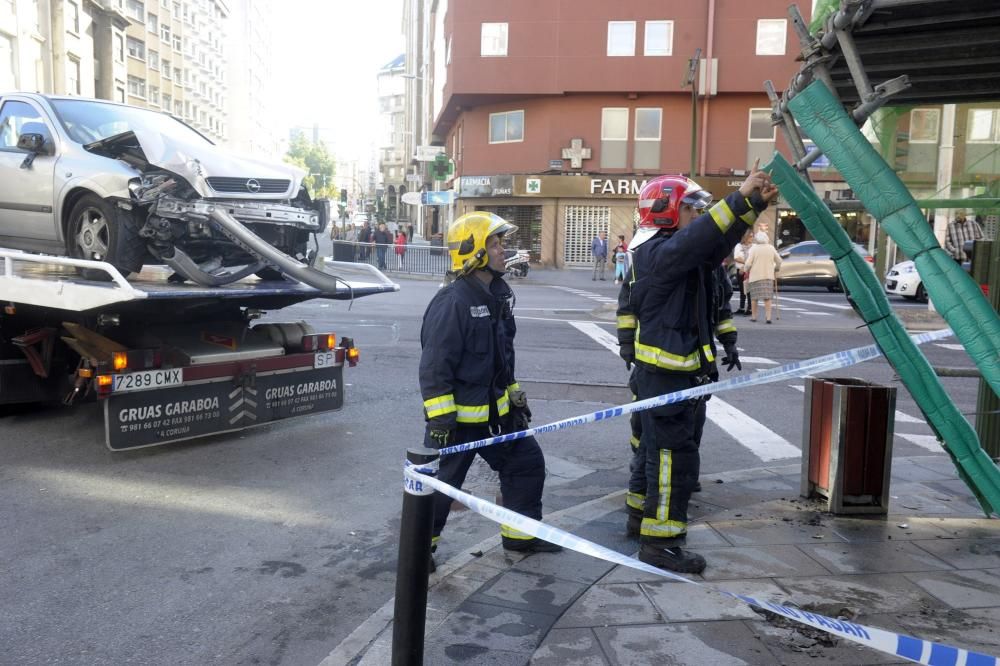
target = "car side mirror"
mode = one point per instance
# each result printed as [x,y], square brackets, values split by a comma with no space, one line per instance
[34,144]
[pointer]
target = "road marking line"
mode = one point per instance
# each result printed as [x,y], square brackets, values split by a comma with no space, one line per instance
[901,417]
[598,334]
[761,440]
[952,347]
[818,314]
[817,303]
[928,442]
[757,360]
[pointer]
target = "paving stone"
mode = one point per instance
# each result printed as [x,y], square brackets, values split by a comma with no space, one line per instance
[758,562]
[717,643]
[973,629]
[906,471]
[963,528]
[476,628]
[962,589]
[614,604]
[479,570]
[448,594]
[874,557]
[786,530]
[622,574]
[570,646]
[567,565]
[884,528]
[529,591]
[793,645]
[862,593]
[921,499]
[474,654]
[693,603]
[965,553]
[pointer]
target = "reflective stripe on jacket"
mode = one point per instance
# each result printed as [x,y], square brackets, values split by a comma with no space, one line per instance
[467,357]
[673,292]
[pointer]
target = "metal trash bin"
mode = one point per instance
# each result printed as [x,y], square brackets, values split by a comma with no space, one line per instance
[847,434]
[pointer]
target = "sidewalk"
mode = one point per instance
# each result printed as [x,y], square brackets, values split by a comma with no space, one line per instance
[931,569]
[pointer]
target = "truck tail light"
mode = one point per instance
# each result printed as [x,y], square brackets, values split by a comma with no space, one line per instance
[119,361]
[319,342]
[104,383]
[136,359]
[353,355]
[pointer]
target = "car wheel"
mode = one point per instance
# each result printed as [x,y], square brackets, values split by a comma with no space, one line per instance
[921,293]
[98,232]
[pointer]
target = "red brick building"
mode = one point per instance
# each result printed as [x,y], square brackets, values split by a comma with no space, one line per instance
[556,111]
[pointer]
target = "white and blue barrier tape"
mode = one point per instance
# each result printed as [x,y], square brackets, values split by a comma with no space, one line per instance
[888,642]
[835,361]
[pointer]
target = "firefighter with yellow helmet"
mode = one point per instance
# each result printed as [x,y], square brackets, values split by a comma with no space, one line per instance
[467,376]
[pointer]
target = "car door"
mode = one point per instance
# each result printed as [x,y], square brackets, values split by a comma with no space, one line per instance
[799,264]
[26,192]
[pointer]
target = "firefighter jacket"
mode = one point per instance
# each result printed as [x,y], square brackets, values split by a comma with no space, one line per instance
[675,298]
[467,362]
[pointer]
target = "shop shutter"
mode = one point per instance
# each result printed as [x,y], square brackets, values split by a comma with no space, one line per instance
[582,225]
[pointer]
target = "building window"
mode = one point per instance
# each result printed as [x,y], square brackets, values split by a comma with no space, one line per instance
[984,126]
[761,128]
[177,74]
[154,59]
[154,95]
[73,76]
[167,103]
[137,87]
[507,127]
[165,33]
[136,48]
[153,23]
[493,39]
[178,43]
[771,36]
[621,38]
[136,9]
[178,108]
[166,68]
[73,13]
[659,40]
[8,80]
[614,138]
[648,123]
[924,125]
[120,93]
[119,47]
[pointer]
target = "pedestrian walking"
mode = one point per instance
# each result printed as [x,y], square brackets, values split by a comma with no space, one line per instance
[382,239]
[620,257]
[365,239]
[467,377]
[740,253]
[666,324]
[762,263]
[400,248]
[959,232]
[599,249]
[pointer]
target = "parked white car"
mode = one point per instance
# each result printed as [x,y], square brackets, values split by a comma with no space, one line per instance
[97,180]
[904,280]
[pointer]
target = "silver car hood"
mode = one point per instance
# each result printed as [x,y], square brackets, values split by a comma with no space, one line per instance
[195,162]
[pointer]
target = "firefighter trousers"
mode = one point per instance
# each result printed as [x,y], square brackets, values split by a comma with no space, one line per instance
[664,467]
[520,465]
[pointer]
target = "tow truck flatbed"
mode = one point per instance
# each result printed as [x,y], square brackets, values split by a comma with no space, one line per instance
[53,282]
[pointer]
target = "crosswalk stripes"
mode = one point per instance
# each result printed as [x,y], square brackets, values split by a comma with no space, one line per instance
[949,346]
[588,294]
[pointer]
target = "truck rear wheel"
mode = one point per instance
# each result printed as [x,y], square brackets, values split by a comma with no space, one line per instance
[98,231]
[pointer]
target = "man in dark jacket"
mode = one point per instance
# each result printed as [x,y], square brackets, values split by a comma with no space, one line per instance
[670,316]
[467,377]
[383,239]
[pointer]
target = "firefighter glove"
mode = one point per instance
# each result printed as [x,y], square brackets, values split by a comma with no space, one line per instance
[627,352]
[441,432]
[732,358]
[520,412]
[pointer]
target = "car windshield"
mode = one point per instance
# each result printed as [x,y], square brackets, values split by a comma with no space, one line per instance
[87,121]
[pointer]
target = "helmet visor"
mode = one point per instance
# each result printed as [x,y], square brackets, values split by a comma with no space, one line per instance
[698,199]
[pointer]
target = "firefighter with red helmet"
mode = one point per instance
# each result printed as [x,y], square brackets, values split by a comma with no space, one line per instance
[467,377]
[669,314]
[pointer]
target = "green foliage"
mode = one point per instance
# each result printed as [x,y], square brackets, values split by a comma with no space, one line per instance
[315,159]
[823,9]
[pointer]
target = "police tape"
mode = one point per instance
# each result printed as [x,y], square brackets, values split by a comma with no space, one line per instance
[899,645]
[835,361]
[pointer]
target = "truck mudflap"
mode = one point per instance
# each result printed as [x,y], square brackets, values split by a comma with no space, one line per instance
[134,420]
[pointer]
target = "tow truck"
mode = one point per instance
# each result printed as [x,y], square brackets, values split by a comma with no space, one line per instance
[169,361]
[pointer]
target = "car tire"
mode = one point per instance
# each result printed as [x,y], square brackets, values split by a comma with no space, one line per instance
[270,273]
[921,293]
[97,230]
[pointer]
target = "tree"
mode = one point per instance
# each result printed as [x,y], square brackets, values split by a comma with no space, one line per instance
[318,163]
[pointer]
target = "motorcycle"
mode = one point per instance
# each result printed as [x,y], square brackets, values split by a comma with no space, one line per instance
[516,262]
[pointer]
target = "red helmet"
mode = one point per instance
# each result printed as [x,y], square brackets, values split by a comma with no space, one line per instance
[660,200]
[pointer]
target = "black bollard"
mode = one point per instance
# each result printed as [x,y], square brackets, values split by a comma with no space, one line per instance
[413,566]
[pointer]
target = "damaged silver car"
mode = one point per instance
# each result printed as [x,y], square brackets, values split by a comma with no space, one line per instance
[97,180]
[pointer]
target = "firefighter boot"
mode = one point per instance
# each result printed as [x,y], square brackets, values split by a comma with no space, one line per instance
[533,545]
[667,554]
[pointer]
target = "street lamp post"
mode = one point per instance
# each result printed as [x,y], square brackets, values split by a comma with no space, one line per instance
[691,79]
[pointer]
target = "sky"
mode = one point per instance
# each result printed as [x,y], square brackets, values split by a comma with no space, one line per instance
[327,55]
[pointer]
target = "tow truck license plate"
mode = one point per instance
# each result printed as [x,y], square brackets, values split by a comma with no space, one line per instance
[147,379]
[325,359]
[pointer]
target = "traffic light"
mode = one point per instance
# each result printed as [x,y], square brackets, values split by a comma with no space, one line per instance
[442,167]
[343,195]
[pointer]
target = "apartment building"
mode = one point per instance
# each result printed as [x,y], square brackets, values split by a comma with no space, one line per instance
[392,160]
[249,56]
[555,113]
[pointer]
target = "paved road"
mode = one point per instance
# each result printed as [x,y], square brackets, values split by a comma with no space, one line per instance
[272,545]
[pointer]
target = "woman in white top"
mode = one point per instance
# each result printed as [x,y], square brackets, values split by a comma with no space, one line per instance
[761,263]
[740,253]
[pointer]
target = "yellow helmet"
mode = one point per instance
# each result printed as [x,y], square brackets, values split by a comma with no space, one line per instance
[467,239]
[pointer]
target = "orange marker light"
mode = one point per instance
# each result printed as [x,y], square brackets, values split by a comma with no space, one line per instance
[85,372]
[331,341]
[353,354]
[119,360]
[104,380]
